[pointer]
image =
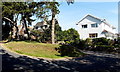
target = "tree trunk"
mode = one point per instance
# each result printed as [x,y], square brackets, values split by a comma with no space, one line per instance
[14,24]
[26,28]
[53,28]
[16,34]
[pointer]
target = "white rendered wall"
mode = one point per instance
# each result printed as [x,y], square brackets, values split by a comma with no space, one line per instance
[84,32]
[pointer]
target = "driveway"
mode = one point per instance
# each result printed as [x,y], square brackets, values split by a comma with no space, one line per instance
[12,62]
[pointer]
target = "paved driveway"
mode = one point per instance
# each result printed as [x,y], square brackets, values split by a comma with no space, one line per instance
[90,63]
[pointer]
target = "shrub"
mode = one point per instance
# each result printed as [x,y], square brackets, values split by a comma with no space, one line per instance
[68,50]
[84,44]
[100,41]
[99,44]
[105,48]
[70,35]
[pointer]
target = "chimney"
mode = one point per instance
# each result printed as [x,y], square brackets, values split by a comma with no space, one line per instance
[104,19]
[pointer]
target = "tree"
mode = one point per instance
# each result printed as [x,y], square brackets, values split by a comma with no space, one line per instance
[13,10]
[45,9]
[70,2]
[53,7]
[57,31]
[45,36]
[10,15]
[26,13]
[71,35]
[55,10]
[25,10]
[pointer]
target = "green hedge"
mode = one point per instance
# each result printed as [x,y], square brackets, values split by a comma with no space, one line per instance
[68,50]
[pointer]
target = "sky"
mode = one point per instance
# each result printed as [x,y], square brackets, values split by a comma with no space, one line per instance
[70,14]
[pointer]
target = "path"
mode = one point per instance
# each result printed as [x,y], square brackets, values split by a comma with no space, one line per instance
[103,54]
[91,63]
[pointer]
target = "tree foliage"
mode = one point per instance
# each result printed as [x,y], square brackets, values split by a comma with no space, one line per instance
[25,10]
[70,35]
[45,36]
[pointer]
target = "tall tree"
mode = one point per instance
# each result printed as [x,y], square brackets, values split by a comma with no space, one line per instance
[53,7]
[10,15]
[45,10]
[13,10]
[27,12]
[54,10]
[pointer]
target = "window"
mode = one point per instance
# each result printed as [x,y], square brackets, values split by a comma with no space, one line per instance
[94,25]
[93,35]
[84,26]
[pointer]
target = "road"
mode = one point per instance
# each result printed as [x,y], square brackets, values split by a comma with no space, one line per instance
[94,62]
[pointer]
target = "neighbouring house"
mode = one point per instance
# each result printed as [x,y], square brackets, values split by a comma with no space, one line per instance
[94,27]
[41,25]
[22,31]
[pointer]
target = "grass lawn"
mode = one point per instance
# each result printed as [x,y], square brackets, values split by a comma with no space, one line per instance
[34,49]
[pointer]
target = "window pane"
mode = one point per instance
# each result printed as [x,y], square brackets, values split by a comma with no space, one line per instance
[93,35]
[84,26]
[94,25]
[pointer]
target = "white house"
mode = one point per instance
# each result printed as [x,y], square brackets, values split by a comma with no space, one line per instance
[94,27]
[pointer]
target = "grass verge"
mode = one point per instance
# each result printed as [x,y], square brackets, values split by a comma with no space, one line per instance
[34,49]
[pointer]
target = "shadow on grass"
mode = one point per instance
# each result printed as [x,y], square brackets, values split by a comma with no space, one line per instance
[89,63]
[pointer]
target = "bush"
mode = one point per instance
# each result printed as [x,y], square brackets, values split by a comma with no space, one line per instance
[99,44]
[70,35]
[105,48]
[41,36]
[100,41]
[68,50]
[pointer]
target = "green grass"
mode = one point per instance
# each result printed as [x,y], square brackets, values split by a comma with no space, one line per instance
[34,49]
[19,52]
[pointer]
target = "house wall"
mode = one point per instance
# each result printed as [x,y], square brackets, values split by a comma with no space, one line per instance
[84,32]
[102,28]
[108,28]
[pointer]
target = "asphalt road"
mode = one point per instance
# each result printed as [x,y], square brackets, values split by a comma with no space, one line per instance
[94,62]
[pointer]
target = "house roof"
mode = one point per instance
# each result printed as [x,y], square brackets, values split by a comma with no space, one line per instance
[29,27]
[19,26]
[90,16]
[102,20]
[41,23]
[107,31]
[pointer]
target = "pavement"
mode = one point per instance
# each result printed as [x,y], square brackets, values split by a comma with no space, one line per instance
[93,62]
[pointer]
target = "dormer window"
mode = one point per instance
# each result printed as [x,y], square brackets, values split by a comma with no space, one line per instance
[84,26]
[94,25]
